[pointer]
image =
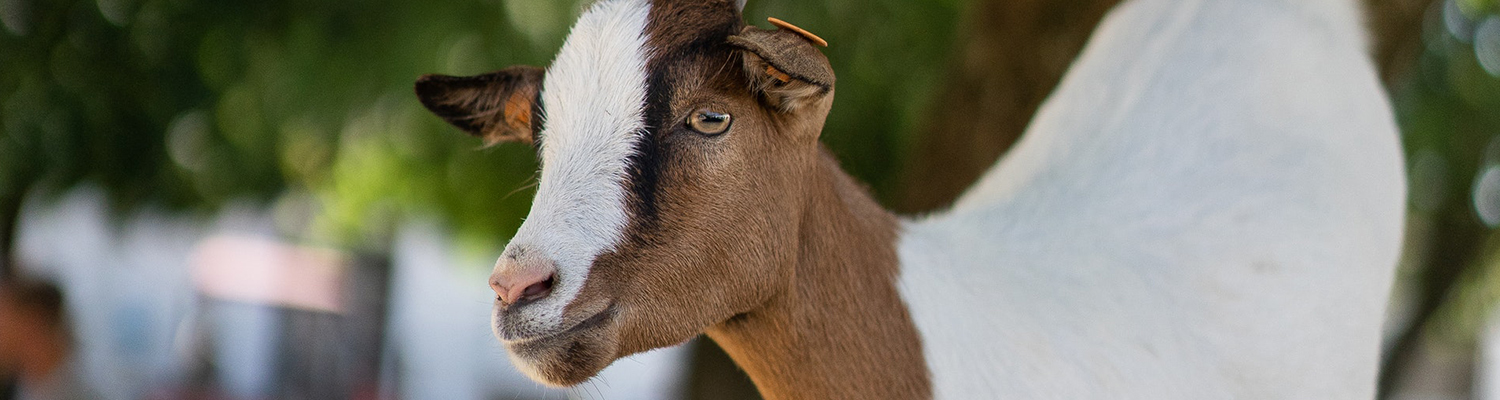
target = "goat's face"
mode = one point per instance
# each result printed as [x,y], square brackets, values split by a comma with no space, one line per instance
[674,144]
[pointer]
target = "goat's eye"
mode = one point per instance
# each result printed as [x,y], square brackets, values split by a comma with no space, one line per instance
[709,122]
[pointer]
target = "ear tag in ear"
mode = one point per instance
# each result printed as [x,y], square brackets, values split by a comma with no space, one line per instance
[776,73]
[784,66]
[805,34]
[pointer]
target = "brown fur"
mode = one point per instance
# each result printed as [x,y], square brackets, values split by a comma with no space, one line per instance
[839,330]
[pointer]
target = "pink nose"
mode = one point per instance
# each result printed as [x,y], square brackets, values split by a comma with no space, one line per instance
[520,277]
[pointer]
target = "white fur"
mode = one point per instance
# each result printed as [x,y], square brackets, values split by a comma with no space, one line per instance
[594,97]
[1209,207]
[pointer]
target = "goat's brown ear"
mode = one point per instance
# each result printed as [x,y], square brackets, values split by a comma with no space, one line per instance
[500,106]
[784,67]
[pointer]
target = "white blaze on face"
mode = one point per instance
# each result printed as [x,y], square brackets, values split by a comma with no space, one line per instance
[594,100]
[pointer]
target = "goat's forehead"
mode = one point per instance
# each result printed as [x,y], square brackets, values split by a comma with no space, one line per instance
[595,89]
[619,57]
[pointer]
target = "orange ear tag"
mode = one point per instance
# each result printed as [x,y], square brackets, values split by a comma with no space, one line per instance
[809,35]
[776,73]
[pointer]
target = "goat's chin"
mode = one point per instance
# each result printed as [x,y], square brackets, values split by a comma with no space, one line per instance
[566,360]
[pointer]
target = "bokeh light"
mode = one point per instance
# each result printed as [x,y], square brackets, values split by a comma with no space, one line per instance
[1487,45]
[1487,196]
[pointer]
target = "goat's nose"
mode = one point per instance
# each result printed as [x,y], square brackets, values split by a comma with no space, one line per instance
[521,279]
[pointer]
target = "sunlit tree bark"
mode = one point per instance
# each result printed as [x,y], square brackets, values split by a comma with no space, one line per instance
[1010,56]
[10,213]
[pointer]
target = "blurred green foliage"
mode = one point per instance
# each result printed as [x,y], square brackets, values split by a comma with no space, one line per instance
[307,106]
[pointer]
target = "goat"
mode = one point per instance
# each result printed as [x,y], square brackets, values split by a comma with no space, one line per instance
[1209,206]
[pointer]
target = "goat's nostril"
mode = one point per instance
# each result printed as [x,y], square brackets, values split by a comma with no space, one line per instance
[514,291]
[538,290]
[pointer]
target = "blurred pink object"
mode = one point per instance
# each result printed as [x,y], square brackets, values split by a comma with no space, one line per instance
[259,270]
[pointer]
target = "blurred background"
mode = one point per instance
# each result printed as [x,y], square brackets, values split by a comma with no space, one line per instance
[242,199]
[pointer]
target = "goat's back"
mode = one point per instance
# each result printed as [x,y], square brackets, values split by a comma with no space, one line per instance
[1210,206]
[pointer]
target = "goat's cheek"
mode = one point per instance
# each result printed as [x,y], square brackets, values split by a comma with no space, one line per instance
[648,329]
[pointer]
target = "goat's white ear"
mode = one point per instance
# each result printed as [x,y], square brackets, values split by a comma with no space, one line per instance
[498,107]
[739,5]
[784,67]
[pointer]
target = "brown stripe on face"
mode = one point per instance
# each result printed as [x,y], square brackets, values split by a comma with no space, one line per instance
[682,34]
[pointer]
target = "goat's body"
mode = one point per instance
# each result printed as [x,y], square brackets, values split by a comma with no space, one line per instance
[1210,206]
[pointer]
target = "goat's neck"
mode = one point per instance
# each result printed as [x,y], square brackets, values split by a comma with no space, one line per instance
[839,330]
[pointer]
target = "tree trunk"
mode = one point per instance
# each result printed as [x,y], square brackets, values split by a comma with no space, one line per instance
[1396,36]
[1012,54]
[10,216]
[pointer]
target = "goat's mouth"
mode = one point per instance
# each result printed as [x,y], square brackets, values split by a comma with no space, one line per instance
[594,321]
[570,356]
